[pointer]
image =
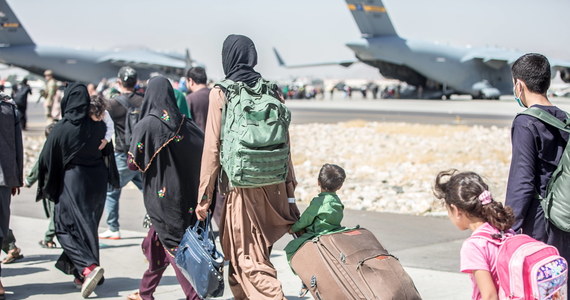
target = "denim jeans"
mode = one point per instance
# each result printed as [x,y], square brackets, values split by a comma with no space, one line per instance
[113,194]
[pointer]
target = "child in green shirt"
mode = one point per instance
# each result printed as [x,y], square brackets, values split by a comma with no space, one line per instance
[325,212]
[323,215]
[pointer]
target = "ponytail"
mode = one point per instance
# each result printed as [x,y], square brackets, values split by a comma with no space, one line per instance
[468,192]
[498,215]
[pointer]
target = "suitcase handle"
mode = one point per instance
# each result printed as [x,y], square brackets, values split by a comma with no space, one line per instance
[361,262]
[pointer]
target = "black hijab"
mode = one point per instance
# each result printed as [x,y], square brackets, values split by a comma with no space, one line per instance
[238,59]
[64,142]
[167,148]
[159,123]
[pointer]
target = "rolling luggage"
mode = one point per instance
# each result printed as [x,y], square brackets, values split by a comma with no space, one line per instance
[351,265]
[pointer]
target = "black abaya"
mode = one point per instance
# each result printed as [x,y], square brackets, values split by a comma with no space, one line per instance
[77,216]
[73,174]
[167,148]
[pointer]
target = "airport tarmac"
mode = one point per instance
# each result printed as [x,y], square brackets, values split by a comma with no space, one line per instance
[428,247]
[460,111]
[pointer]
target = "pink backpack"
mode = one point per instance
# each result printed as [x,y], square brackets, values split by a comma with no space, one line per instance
[527,268]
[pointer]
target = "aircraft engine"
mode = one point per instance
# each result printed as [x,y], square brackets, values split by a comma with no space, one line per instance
[565,75]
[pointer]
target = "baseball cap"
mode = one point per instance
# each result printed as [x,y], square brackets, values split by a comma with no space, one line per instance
[128,75]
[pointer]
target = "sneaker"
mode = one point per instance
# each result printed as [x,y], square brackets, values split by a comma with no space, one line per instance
[111,235]
[91,280]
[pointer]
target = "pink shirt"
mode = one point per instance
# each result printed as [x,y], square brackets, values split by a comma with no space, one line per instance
[479,254]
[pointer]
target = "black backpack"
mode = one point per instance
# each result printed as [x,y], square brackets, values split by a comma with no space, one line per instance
[132,116]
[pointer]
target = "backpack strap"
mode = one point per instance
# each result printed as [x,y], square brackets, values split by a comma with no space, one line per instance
[124,100]
[488,237]
[547,118]
[551,120]
[224,85]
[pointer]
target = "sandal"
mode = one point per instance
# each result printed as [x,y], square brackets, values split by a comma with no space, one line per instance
[304,290]
[12,256]
[134,296]
[47,245]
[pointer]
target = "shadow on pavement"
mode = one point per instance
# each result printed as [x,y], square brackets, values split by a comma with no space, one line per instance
[107,246]
[118,285]
[34,259]
[21,271]
[30,289]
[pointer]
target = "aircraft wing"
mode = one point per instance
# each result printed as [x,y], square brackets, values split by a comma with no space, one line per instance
[281,62]
[497,58]
[494,58]
[143,59]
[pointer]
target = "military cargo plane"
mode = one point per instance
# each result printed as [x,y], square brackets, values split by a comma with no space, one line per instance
[18,49]
[436,70]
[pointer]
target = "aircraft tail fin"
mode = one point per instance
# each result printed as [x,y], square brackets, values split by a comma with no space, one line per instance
[12,33]
[371,17]
[280,60]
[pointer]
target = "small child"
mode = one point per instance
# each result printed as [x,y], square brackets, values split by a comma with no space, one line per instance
[49,206]
[98,112]
[323,215]
[470,206]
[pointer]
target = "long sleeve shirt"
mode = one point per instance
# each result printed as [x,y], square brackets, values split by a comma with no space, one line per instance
[211,155]
[110,126]
[537,149]
[323,216]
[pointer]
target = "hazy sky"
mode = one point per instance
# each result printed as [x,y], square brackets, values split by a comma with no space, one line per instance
[304,31]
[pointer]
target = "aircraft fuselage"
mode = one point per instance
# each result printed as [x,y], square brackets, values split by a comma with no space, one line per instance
[416,62]
[72,64]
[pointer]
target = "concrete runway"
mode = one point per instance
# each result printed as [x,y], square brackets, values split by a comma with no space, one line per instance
[459,112]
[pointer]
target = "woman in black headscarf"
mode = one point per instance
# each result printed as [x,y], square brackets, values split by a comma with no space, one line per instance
[73,174]
[253,219]
[167,148]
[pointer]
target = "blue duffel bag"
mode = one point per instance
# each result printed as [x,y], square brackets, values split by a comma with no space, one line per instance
[199,260]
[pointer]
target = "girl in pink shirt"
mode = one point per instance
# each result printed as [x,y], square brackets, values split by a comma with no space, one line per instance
[470,206]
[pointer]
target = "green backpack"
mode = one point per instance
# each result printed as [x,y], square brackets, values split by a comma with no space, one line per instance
[556,204]
[254,136]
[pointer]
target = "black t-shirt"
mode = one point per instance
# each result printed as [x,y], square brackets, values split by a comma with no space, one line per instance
[118,114]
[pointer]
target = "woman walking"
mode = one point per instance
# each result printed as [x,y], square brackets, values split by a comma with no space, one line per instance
[73,174]
[167,148]
[253,219]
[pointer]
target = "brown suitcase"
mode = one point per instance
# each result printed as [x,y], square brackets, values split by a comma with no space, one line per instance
[351,265]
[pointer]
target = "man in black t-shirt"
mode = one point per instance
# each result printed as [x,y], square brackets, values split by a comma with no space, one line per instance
[118,110]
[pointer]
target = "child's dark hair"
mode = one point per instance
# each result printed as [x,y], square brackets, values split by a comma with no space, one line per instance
[97,106]
[463,190]
[49,128]
[331,177]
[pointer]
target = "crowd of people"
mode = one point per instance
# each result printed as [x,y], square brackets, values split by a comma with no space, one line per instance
[170,148]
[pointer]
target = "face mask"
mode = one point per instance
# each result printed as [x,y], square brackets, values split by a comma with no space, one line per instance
[519,101]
